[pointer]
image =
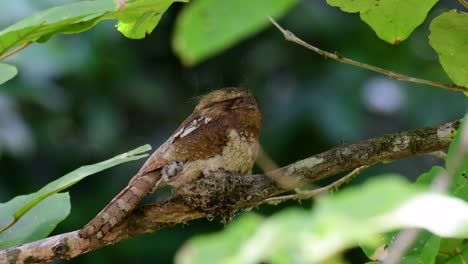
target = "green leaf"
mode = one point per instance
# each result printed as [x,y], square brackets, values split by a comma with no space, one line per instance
[448,248]
[424,250]
[457,156]
[52,21]
[449,38]
[426,247]
[7,72]
[427,178]
[457,162]
[461,257]
[219,247]
[374,252]
[135,19]
[355,215]
[23,205]
[346,200]
[139,17]
[392,20]
[38,222]
[207,27]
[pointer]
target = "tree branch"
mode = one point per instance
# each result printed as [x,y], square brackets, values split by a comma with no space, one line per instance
[236,192]
[302,195]
[289,36]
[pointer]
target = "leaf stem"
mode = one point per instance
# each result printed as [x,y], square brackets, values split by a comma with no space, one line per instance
[9,225]
[312,193]
[439,154]
[16,50]
[289,36]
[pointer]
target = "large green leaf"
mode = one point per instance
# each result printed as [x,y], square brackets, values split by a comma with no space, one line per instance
[457,166]
[449,38]
[457,157]
[392,20]
[52,21]
[206,27]
[135,19]
[7,72]
[424,250]
[219,247]
[14,210]
[460,257]
[355,215]
[139,17]
[426,246]
[38,222]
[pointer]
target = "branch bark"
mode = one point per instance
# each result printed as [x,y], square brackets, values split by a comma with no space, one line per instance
[236,192]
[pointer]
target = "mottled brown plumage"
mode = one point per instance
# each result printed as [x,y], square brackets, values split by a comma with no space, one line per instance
[220,136]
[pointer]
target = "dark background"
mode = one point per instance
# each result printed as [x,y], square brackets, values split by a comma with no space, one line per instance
[80,99]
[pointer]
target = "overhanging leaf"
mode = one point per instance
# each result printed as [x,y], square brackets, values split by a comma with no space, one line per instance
[52,20]
[135,19]
[139,17]
[392,20]
[7,72]
[38,222]
[206,27]
[460,257]
[15,209]
[442,215]
[341,221]
[449,38]
[219,247]
[426,246]
[457,156]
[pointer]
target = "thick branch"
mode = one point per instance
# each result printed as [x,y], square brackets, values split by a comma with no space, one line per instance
[239,191]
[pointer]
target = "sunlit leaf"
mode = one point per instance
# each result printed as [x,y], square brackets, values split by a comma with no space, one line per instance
[219,247]
[52,21]
[135,19]
[392,20]
[457,157]
[7,72]
[207,27]
[14,210]
[139,17]
[38,222]
[449,38]
[340,221]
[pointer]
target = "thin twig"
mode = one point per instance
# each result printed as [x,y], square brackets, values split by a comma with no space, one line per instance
[312,193]
[288,35]
[264,161]
[439,154]
[268,165]
[3,229]
[464,3]
[16,50]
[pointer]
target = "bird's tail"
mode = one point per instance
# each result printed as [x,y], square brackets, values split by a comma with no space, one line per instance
[121,205]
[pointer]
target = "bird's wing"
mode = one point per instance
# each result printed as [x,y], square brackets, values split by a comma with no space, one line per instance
[197,138]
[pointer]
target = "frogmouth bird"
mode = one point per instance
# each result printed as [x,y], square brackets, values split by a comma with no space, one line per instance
[219,137]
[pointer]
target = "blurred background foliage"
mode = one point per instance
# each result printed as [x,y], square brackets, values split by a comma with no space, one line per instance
[79,99]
